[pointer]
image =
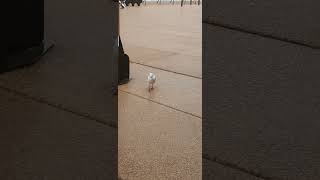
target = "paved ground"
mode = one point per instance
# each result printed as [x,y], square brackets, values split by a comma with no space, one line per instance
[58,117]
[164,36]
[263,108]
[58,111]
[160,133]
[261,83]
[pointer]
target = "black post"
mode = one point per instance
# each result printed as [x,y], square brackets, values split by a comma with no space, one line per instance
[25,36]
[123,66]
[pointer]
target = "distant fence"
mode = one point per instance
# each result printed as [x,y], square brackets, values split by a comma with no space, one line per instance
[181,2]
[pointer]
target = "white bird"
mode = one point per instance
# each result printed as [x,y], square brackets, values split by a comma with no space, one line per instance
[151,80]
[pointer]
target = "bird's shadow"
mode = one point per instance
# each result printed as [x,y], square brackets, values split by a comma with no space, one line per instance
[152,93]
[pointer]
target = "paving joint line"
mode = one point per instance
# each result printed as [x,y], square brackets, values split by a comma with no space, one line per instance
[176,109]
[59,106]
[172,53]
[237,167]
[210,21]
[162,69]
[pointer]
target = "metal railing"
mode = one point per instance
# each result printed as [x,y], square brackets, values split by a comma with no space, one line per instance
[191,2]
[183,2]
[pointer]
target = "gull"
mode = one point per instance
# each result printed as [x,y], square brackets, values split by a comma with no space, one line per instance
[151,80]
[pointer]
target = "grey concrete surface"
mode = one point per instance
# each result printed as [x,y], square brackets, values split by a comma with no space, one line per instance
[169,61]
[73,83]
[61,124]
[215,171]
[160,131]
[42,142]
[78,73]
[294,20]
[157,142]
[176,91]
[164,36]
[261,111]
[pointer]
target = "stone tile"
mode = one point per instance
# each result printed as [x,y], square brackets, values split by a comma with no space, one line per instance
[262,104]
[145,55]
[42,142]
[156,142]
[176,62]
[166,28]
[78,73]
[294,152]
[215,171]
[294,20]
[170,40]
[78,86]
[174,90]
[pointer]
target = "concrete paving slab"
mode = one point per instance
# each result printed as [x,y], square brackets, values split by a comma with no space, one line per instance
[215,171]
[42,142]
[164,29]
[294,151]
[157,142]
[78,73]
[80,86]
[175,62]
[293,20]
[262,104]
[145,55]
[174,90]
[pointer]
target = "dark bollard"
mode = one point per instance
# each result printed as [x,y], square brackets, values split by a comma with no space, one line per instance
[25,35]
[123,65]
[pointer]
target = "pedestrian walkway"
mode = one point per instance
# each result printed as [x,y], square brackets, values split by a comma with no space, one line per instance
[160,132]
